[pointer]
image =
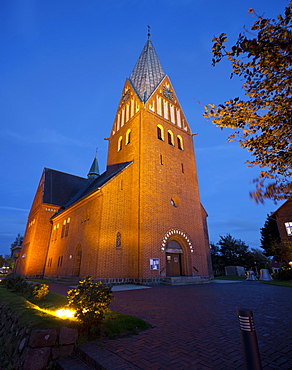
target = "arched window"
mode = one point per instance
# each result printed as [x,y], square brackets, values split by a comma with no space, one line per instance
[170,137]
[128,137]
[180,142]
[120,143]
[160,132]
[63,229]
[118,240]
[67,226]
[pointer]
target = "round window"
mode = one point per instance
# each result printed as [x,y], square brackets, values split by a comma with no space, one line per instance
[175,201]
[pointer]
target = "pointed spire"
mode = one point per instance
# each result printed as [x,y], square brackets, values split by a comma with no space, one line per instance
[147,72]
[94,169]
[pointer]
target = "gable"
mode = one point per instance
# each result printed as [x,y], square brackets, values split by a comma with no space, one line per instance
[129,105]
[164,103]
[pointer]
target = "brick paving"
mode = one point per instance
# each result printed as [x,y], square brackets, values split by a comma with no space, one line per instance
[196,327]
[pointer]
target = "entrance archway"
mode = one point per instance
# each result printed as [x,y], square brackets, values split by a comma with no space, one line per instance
[174,254]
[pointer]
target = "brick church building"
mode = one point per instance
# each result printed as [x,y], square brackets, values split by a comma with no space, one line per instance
[141,220]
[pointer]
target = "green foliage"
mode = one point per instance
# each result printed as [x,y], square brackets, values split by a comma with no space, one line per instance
[270,236]
[283,251]
[234,252]
[17,241]
[262,122]
[40,291]
[29,314]
[283,274]
[16,283]
[90,300]
[2,260]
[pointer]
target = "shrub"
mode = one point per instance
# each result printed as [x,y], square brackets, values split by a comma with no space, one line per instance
[283,274]
[40,291]
[16,283]
[90,300]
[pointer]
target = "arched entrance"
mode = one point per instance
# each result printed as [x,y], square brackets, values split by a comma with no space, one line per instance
[173,258]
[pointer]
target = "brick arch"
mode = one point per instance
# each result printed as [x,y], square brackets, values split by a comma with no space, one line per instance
[179,235]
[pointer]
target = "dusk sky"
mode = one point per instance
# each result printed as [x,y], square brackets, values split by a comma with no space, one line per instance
[63,66]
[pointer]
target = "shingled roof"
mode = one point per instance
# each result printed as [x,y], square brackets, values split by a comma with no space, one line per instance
[147,72]
[60,187]
[90,186]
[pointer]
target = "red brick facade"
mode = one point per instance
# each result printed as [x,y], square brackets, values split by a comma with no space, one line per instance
[284,215]
[150,209]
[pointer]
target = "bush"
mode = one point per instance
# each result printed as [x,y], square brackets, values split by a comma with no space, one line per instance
[16,283]
[40,291]
[283,274]
[90,300]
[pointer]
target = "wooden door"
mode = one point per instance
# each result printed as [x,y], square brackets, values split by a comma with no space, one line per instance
[173,264]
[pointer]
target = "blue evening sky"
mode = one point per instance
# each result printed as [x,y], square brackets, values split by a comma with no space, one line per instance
[63,66]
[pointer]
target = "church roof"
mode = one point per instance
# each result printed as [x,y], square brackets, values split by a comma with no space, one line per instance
[60,187]
[147,72]
[101,180]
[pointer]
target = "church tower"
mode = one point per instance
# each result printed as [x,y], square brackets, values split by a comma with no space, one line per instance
[151,130]
[141,220]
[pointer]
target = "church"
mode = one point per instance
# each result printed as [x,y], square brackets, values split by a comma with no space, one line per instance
[141,221]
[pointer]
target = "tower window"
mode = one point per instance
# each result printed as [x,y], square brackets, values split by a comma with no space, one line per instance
[182,168]
[160,132]
[128,137]
[180,142]
[63,229]
[118,240]
[170,137]
[175,201]
[120,143]
[161,159]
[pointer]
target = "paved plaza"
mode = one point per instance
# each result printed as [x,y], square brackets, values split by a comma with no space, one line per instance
[196,327]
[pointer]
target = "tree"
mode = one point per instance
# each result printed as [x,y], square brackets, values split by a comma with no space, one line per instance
[18,241]
[283,251]
[272,243]
[217,261]
[270,236]
[262,122]
[258,258]
[2,261]
[233,251]
[230,252]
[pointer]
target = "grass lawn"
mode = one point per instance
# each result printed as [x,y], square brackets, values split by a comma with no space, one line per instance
[278,283]
[39,315]
[272,282]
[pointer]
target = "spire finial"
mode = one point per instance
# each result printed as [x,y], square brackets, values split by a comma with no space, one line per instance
[149,34]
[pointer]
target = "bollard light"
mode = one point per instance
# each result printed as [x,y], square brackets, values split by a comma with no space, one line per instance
[248,338]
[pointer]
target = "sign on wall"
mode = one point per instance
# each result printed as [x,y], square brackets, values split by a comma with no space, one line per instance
[154,263]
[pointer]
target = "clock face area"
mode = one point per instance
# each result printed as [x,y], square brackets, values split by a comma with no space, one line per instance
[167,92]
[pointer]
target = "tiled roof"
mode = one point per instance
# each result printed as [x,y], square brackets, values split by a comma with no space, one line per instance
[60,187]
[147,72]
[97,183]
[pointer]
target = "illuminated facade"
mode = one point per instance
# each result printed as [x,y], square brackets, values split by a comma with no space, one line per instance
[139,221]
